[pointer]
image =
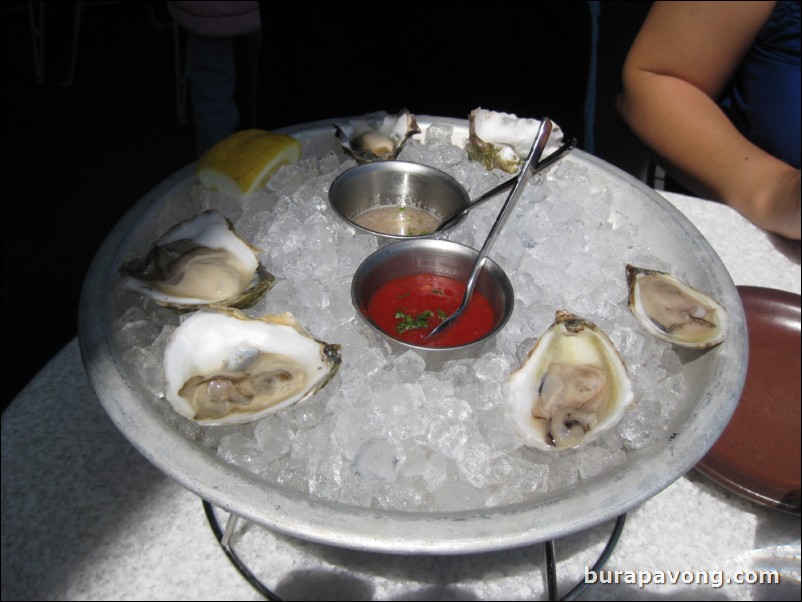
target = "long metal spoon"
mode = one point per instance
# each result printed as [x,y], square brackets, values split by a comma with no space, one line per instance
[486,196]
[524,176]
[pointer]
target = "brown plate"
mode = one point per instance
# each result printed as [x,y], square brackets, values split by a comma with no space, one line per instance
[758,454]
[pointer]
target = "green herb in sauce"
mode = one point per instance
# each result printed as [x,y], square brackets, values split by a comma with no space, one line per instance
[411,321]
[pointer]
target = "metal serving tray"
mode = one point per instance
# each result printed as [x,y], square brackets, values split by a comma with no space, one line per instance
[714,383]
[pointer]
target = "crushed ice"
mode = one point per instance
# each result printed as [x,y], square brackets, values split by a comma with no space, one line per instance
[395,429]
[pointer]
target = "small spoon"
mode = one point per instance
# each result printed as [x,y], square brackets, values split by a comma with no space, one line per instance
[486,196]
[523,178]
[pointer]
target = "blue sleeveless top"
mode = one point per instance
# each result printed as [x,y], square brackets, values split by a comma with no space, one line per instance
[763,100]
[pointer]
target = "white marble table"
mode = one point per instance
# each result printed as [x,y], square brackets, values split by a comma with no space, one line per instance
[86,517]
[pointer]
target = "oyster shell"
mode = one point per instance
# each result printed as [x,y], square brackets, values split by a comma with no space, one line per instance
[503,140]
[199,262]
[674,311]
[221,367]
[377,136]
[572,386]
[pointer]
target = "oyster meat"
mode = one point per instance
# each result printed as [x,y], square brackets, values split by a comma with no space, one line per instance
[377,136]
[199,262]
[221,367]
[572,386]
[503,140]
[674,311]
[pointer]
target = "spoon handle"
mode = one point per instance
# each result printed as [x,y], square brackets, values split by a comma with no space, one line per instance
[478,201]
[486,196]
[525,175]
[538,146]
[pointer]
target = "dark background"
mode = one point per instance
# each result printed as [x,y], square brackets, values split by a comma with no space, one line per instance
[76,157]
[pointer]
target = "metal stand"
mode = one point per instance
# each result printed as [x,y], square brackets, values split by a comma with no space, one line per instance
[224,539]
[574,592]
[225,542]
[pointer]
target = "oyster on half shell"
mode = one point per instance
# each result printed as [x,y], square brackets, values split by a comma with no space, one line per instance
[572,386]
[377,136]
[503,140]
[199,262]
[222,367]
[674,311]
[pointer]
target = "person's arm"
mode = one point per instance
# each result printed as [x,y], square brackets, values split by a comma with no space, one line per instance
[679,63]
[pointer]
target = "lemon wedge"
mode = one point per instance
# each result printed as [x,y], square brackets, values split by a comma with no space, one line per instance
[245,160]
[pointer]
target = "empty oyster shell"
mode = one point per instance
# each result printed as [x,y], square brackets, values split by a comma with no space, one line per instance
[221,367]
[572,387]
[199,262]
[377,136]
[674,311]
[503,140]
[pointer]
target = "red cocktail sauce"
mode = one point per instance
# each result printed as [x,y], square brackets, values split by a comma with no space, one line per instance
[409,307]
